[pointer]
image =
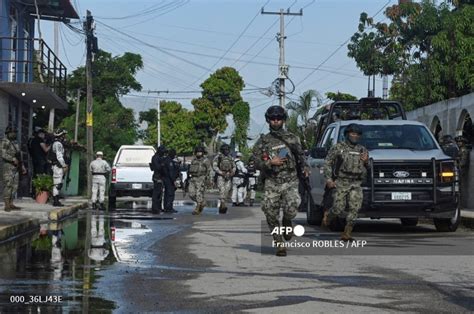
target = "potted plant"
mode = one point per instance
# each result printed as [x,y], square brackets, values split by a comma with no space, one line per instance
[43,184]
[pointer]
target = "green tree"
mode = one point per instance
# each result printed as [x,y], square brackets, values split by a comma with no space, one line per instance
[177,129]
[113,76]
[340,96]
[300,115]
[221,91]
[241,116]
[429,49]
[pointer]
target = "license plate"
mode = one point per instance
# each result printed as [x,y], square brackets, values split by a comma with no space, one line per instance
[136,186]
[401,196]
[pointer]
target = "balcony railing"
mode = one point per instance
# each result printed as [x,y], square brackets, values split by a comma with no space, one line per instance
[27,60]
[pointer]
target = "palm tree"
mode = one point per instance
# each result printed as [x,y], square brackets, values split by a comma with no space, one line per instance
[301,109]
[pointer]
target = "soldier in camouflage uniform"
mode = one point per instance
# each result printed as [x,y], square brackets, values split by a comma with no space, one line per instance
[198,175]
[279,155]
[224,166]
[463,154]
[11,157]
[345,169]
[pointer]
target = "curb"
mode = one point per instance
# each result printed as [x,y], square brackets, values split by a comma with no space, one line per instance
[10,231]
[63,212]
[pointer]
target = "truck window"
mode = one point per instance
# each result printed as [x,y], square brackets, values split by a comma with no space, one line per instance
[327,138]
[406,136]
[135,156]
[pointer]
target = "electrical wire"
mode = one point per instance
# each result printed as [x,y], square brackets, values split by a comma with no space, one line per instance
[232,45]
[336,50]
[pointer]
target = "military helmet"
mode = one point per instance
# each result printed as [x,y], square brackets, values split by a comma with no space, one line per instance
[276,112]
[161,149]
[460,139]
[238,154]
[10,129]
[224,147]
[60,132]
[198,149]
[353,127]
[447,138]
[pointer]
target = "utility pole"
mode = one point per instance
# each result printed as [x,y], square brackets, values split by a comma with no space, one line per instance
[282,67]
[158,114]
[91,47]
[78,103]
[56,52]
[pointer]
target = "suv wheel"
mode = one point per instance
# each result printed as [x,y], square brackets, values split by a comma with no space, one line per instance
[448,224]
[409,222]
[314,213]
[112,202]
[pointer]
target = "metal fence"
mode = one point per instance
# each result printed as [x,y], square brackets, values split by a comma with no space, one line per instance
[26,60]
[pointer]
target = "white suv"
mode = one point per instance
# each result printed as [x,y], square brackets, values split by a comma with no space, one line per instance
[131,173]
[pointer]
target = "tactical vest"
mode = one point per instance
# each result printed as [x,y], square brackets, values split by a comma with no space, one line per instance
[198,168]
[225,163]
[351,165]
[251,170]
[238,172]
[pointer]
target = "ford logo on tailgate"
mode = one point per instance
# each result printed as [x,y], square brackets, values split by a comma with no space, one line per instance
[401,174]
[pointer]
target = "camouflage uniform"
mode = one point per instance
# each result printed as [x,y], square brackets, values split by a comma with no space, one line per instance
[281,182]
[198,178]
[224,167]
[351,172]
[464,154]
[10,150]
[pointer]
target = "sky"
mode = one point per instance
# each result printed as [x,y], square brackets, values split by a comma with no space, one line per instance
[183,41]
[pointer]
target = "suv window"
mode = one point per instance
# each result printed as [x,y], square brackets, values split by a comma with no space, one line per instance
[327,139]
[414,137]
[135,156]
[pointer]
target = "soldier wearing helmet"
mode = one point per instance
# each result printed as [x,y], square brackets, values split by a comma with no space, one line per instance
[198,175]
[12,165]
[157,165]
[99,169]
[224,167]
[252,175]
[59,165]
[239,181]
[280,157]
[345,170]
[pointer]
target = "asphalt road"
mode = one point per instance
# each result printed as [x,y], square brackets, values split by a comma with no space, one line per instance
[216,263]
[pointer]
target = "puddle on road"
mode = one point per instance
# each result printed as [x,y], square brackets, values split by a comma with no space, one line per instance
[69,266]
[57,269]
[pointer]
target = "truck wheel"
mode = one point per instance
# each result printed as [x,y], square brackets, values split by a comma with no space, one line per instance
[409,222]
[448,224]
[112,202]
[314,213]
[337,224]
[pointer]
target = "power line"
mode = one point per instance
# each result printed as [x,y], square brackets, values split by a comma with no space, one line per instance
[232,45]
[336,50]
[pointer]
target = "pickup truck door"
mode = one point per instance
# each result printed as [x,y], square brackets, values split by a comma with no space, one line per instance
[316,164]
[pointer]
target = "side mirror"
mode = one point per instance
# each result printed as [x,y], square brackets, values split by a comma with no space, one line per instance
[319,152]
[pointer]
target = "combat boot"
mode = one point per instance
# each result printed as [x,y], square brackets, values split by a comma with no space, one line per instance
[12,206]
[7,205]
[346,235]
[222,208]
[56,202]
[198,209]
[287,223]
[251,202]
[325,221]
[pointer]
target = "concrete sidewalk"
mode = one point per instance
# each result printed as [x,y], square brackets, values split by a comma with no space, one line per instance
[32,214]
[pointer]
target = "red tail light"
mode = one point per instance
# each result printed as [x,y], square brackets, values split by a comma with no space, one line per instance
[112,233]
[114,175]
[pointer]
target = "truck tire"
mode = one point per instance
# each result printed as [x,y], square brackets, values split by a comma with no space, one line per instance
[314,213]
[448,224]
[409,222]
[112,202]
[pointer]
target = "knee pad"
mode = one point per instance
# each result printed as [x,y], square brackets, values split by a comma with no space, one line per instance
[59,186]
